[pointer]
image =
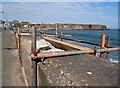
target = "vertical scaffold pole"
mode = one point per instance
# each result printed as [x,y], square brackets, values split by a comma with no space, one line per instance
[108,44]
[19,47]
[61,35]
[34,63]
[102,45]
[56,32]
[108,41]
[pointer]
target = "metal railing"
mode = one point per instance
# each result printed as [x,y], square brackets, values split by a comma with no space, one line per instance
[103,49]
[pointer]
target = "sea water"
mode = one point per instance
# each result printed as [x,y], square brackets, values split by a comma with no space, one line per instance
[93,36]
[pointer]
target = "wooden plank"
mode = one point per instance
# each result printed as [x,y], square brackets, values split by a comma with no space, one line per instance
[65,45]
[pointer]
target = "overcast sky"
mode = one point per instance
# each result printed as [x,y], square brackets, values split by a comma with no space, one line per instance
[62,12]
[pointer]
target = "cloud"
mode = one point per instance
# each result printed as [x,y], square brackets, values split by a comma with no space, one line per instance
[64,12]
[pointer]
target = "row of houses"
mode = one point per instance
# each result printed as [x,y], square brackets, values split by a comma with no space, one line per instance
[14,23]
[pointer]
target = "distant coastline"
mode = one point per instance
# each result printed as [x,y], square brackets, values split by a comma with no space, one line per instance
[71,26]
[44,26]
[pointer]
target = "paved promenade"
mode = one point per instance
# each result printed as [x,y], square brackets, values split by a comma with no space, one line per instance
[11,68]
[0,59]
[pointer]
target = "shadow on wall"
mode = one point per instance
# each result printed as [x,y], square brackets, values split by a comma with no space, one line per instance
[42,77]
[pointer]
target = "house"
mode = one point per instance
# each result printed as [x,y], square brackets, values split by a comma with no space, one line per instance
[25,24]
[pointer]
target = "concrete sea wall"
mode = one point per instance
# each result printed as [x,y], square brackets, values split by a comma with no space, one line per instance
[78,70]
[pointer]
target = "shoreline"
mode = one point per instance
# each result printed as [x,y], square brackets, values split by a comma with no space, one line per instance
[74,29]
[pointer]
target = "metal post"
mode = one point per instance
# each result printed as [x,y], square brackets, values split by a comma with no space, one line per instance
[16,40]
[108,44]
[108,41]
[56,32]
[44,34]
[19,47]
[61,35]
[95,51]
[34,63]
[102,45]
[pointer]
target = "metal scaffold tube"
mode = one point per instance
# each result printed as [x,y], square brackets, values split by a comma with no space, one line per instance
[72,52]
[103,38]
[19,46]
[34,63]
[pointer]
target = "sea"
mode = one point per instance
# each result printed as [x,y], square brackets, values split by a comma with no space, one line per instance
[92,36]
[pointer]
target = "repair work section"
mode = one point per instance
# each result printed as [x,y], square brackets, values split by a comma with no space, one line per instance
[65,45]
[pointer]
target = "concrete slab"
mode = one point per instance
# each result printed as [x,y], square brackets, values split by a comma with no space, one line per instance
[80,70]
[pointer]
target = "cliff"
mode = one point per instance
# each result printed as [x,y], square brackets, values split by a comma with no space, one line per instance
[72,26]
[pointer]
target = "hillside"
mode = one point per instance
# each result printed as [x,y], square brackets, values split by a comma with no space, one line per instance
[72,26]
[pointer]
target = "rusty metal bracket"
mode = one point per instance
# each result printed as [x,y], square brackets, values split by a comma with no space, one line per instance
[33,55]
[95,50]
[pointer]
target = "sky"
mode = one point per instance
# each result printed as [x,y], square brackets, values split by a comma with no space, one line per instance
[75,11]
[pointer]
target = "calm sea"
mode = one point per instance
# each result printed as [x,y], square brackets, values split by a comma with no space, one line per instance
[93,36]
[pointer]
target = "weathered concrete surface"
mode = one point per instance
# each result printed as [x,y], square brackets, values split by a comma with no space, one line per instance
[79,70]
[26,59]
[11,67]
[0,57]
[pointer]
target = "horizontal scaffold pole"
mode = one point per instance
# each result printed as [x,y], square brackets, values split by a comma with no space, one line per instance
[48,33]
[82,41]
[108,49]
[69,53]
[75,40]
[23,34]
